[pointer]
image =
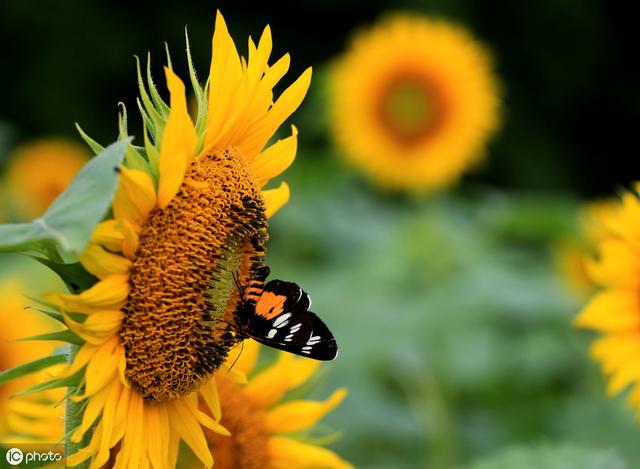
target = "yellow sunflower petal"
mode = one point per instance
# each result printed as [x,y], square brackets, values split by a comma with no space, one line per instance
[108,234]
[189,429]
[224,77]
[269,386]
[243,357]
[299,415]
[135,196]
[179,142]
[610,311]
[98,327]
[209,393]
[101,369]
[286,104]
[275,199]
[275,159]
[103,263]
[626,375]
[286,453]
[109,293]
[94,408]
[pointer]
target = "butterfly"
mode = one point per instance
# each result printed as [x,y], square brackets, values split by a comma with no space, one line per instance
[277,314]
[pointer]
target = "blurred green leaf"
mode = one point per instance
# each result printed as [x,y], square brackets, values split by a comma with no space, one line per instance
[74,275]
[31,367]
[552,456]
[72,217]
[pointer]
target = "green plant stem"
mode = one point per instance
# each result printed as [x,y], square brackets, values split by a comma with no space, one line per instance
[72,418]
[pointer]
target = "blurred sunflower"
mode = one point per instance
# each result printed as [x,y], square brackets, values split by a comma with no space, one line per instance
[38,172]
[189,215]
[257,419]
[571,255]
[615,310]
[31,418]
[414,101]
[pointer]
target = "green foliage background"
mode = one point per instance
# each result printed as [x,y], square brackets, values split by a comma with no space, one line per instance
[455,330]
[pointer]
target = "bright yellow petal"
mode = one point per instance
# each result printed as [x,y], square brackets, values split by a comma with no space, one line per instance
[262,130]
[102,369]
[103,263]
[135,196]
[98,327]
[275,159]
[189,429]
[286,453]
[109,235]
[224,77]
[243,357]
[179,141]
[275,199]
[209,393]
[294,416]
[269,386]
[610,311]
[108,294]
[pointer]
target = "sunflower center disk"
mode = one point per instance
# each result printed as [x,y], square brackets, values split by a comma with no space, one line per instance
[410,108]
[178,325]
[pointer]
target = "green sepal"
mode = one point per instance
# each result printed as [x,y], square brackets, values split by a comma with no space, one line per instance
[52,314]
[95,146]
[152,154]
[71,219]
[161,106]
[75,276]
[201,99]
[31,367]
[156,119]
[70,381]
[61,336]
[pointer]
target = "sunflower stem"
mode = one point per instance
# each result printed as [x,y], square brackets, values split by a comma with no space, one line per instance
[72,419]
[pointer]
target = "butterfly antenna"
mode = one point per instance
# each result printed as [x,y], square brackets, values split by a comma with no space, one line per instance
[237,358]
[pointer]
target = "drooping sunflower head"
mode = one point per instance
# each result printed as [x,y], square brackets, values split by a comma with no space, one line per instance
[414,101]
[188,221]
[614,311]
[38,172]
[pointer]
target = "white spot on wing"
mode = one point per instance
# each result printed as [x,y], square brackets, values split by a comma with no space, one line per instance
[272,333]
[281,320]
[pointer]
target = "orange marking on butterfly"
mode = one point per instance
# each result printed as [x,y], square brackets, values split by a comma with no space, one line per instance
[270,305]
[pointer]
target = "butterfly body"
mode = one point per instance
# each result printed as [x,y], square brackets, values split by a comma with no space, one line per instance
[277,314]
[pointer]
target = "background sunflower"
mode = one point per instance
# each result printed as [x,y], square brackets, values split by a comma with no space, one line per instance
[456,335]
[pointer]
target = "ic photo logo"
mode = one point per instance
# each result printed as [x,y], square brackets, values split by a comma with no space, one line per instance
[33,456]
[14,456]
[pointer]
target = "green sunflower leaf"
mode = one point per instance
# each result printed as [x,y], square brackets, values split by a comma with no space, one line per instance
[70,220]
[62,336]
[73,275]
[73,380]
[31,367]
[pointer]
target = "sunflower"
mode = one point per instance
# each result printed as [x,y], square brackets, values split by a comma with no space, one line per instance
[615,310]
[188,220]
[31,418]
[414,101]
[38,172]
[570,255]
[259,422]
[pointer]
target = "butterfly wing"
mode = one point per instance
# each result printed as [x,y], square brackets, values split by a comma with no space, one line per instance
[282,320]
